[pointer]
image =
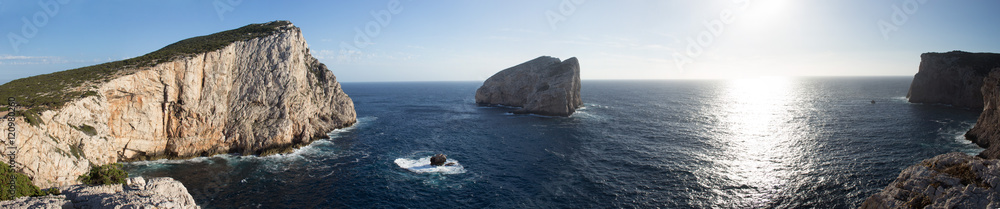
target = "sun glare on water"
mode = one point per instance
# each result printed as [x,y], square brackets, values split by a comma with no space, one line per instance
[757,127]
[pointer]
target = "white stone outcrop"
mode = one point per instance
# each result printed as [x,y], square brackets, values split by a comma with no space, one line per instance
[543,86]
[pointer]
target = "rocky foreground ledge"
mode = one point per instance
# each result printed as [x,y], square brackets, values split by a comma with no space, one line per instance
[162,192]
[953,180]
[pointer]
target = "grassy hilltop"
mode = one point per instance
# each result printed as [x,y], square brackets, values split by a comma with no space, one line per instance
[53,90]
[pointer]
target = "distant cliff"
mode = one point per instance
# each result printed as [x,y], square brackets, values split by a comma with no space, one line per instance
[952,78]
[252,90]
[543,86]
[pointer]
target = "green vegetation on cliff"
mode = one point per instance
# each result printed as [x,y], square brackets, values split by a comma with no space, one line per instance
[55,89]
[105,174]
[22,184]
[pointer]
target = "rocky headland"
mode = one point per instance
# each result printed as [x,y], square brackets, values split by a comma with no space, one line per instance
[952,78]
[543,86]
[251,90]
[954,180]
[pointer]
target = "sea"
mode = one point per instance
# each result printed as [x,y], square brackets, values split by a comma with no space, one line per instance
[767,142]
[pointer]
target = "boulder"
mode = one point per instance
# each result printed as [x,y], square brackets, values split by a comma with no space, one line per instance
[438,160]
[543,86]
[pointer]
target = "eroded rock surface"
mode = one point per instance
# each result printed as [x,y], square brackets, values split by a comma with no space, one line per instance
[953,180]
[162,192]
[544,86]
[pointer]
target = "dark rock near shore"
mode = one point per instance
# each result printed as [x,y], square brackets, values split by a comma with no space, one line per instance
[544,86]
[438,160]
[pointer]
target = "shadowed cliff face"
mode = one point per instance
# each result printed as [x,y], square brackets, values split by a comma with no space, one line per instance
[255,96]
[986,133]
[543,86]
[952,78]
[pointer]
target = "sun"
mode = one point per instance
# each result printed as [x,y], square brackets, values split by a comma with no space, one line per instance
[764,12]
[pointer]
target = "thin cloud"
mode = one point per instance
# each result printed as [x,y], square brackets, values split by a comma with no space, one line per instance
[18,57]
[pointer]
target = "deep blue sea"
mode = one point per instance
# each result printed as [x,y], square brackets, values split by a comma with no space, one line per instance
[746,143]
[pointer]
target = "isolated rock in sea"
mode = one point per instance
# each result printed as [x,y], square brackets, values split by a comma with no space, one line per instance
[257,95]
[986,132]
[162,192]
[953,180]
[952,78]
[543,86]
[438,160]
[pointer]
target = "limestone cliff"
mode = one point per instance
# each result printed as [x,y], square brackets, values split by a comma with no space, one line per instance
[986,133]
[952,78]
[953,180]
[254,95]
[543,86]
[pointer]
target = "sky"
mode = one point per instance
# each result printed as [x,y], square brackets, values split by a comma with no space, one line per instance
[452,40]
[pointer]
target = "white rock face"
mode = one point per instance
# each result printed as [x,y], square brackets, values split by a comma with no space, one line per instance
[251,96]
[543,86]
[953,180]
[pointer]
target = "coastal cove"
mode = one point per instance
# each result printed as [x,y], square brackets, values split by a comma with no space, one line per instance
[770,142]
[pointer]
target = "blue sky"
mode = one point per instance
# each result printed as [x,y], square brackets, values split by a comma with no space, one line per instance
[470,40]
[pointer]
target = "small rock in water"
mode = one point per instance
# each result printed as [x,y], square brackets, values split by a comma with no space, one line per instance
[438,160]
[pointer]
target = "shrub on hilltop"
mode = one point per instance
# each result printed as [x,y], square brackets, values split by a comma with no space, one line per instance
[22,184]
[55,89]
[105,174]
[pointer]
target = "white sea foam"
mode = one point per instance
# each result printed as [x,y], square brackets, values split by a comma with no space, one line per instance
[423,165]
[313,149]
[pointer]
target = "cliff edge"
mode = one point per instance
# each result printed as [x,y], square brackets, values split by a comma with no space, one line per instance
[952,78]
[953,180]
[251,90]
[163,192]
[544,86]
[986,132]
